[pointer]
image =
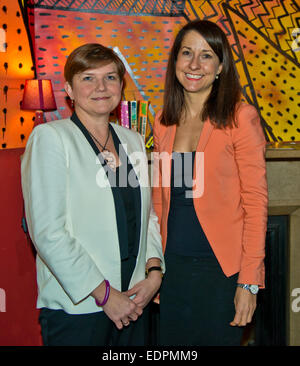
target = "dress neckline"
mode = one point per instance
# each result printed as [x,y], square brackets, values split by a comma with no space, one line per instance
[183,152]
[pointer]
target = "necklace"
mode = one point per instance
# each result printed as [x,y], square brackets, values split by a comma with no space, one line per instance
[108,156]
[99,143]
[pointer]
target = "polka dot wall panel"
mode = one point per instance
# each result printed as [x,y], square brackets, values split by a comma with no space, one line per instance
[15,67]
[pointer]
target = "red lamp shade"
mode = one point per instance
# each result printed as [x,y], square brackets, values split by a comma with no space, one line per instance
[38,95]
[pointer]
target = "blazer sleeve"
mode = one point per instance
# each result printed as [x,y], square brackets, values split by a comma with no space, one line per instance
[249,147]
[44,172]
[156,179]
[154,246]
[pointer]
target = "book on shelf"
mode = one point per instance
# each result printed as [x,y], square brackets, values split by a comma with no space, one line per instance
[143,113]
[133,114]
[123,113]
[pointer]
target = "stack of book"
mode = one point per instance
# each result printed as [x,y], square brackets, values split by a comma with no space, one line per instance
[134,115]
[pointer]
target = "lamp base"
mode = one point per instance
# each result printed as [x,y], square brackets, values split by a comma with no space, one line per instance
[39,118]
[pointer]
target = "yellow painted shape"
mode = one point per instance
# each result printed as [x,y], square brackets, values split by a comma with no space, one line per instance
[275,79]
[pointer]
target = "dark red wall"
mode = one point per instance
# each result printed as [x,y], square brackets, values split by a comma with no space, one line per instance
[19,322]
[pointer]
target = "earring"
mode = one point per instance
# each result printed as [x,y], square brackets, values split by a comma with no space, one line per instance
[72,103]
[217,76]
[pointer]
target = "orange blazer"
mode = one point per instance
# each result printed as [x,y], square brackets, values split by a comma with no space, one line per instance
[230,191]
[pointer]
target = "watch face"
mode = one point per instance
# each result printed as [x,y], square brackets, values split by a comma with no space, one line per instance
[254,289]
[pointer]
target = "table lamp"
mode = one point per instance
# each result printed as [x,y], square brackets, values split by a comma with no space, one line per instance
[38,95]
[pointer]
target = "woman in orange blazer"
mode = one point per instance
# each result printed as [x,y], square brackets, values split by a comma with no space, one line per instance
[209,192]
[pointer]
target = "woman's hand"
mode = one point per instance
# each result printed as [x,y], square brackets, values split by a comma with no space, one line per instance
[145,290]
[119,307]
[245,305]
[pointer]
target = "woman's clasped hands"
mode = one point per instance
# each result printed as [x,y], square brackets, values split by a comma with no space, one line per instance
[124,307]
[119,307]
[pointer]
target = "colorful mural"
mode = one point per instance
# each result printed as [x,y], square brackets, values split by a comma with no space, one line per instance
[264,35]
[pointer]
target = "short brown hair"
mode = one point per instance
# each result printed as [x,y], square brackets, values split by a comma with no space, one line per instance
[226,92]
[90,56]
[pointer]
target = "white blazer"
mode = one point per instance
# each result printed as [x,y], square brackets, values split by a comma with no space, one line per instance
[71,215]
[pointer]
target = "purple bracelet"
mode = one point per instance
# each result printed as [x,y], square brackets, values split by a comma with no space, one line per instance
[107,291]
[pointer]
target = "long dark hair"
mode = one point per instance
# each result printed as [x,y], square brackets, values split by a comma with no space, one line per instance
[221,104]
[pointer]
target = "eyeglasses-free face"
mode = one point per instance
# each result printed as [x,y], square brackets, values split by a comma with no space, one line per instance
[96,92]
[197,64]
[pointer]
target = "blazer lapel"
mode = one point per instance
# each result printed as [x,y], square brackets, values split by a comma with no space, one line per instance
[198,176]
[205,135]
[167,144]
[167,141]
[165,157]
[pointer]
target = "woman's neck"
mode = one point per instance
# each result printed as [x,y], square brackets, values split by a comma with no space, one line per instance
[98,125]
[194,103]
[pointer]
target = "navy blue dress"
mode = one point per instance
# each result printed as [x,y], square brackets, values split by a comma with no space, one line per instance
[196,298]
[185,234]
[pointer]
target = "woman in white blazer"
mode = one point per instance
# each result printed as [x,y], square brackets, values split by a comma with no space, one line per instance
[89,214]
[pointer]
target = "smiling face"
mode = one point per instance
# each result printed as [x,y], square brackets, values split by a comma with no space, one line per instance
[96,92]
[197,65]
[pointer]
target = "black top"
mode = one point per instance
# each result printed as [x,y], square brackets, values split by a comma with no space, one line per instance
[127,194]
[185,234]
[127,197]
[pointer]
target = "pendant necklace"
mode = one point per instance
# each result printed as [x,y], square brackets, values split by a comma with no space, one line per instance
[107,155]
[104,149]
[99,143]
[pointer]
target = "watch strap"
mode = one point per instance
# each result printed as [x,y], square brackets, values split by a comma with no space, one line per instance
[244,285]
[252,288]
[154,268]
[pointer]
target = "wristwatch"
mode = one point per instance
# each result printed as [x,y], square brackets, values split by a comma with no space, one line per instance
[252,288]
[154,268]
